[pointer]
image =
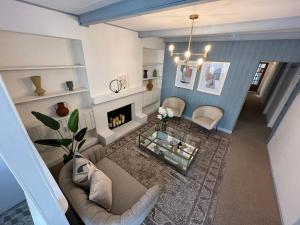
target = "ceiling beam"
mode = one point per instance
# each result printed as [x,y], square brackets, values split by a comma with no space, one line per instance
[128,8]
[275,25]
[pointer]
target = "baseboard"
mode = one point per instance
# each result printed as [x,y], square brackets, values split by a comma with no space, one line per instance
[275,187]
[218,128]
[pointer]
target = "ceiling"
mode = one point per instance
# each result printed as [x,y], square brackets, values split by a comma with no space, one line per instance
[213,13]
[75,7]
[264,18]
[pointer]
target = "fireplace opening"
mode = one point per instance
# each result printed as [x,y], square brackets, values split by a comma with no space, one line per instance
[119,116]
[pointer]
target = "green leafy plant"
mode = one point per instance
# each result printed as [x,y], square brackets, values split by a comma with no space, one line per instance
[69,144]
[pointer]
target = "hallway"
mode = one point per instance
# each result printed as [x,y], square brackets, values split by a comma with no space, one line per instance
[247,195]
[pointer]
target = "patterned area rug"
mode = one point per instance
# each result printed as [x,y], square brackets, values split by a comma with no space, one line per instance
[18,215]
[184,200]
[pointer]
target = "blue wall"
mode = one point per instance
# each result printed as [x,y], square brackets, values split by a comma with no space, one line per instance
[244,57]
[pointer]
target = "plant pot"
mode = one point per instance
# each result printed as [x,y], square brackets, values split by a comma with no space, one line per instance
[150,85]
[61,109]
[67,158]
[37,81]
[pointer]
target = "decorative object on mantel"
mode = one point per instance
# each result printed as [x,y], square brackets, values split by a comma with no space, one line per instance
[115,86]
[154,73]
[70,85]
[145,76]
[187,54]
[164,114]
[150,85]
[124,80]
[212,77]
[62,109]
[37,81]
[68,144]
[186,76]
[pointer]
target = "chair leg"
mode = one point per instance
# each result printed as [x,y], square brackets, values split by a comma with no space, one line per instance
[190,126]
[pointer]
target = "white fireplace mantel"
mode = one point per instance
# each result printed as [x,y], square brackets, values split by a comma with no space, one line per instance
[102,98]
[105,103]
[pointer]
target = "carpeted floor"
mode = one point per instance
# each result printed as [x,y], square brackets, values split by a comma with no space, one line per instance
[17,215]
[247,195]
[184,200]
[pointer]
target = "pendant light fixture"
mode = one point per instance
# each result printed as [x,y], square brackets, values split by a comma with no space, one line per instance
[188,54]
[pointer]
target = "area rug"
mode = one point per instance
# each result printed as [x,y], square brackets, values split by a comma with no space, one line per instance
[184,200]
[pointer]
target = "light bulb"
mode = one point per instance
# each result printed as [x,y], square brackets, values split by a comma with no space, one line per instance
[200,61]
[176,59]
[187,54]
[207,48]
[171,48]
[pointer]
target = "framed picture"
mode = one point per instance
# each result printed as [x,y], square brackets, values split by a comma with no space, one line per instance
[212,77]
[186,75]
[124,80]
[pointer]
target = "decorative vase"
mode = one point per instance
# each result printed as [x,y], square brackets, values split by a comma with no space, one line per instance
[37,81]
[154,74]
[70,85]
[149,85]
[61,109]
[163,126]
[145,74]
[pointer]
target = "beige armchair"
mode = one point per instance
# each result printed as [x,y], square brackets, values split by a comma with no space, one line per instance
[131,202]
[177,105]
[207,116]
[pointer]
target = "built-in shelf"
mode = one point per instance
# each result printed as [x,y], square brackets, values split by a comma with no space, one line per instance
[19,68]
[152,64]
[151,78]
[49,95]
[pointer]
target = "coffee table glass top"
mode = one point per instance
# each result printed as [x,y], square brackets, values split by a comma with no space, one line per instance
[174,146]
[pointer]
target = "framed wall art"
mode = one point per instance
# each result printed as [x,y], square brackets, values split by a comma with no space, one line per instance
[212,77]
[186,75]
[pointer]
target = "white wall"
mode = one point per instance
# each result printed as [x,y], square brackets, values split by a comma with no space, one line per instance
[9,187]
[285,161]
[267,81]
[20,17]
[116,51]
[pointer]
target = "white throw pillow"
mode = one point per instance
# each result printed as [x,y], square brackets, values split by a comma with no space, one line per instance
[82,171]
[101,189]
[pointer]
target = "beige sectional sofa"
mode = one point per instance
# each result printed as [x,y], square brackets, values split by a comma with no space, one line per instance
[131,202]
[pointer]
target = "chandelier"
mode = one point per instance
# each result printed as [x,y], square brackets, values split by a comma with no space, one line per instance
[188,54]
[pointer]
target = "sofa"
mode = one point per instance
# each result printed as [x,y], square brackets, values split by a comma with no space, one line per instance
[131,201]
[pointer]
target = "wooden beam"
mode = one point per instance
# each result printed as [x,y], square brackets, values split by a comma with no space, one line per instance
[127,8]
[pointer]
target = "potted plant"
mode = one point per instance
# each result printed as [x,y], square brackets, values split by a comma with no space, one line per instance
[164,114]
[68,144]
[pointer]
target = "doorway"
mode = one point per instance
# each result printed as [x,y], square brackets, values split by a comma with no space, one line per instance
[258,77]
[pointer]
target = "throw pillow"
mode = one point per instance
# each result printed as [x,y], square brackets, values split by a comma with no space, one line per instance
[82,171]
[101,189]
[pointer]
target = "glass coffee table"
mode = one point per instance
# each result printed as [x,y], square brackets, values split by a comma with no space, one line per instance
[174,146]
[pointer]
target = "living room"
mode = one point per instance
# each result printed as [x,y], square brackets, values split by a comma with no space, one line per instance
[154,98]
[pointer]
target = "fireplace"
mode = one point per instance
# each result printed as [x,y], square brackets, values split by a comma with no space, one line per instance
[119,116]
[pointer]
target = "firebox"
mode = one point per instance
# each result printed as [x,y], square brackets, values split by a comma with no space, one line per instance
[119,116]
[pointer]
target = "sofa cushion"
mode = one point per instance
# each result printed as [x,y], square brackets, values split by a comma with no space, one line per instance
[82,171]
[101,189]
[126,190]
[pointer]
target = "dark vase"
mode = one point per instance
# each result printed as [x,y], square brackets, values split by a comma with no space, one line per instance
[145,74]
[157,127]
[61,109]
[70,85]
[67,158]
